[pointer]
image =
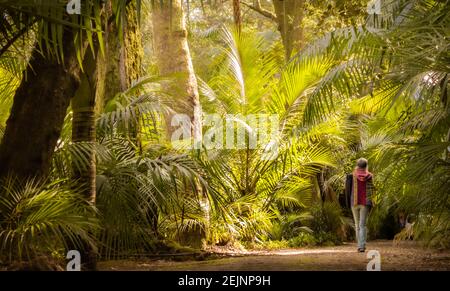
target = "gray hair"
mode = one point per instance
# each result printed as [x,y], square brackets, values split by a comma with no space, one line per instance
[362,163]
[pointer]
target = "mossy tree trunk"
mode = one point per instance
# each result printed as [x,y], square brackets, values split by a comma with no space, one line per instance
[122,61]
[104,76]
[37,115]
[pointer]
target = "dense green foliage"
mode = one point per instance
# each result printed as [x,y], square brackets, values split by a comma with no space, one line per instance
[378,89]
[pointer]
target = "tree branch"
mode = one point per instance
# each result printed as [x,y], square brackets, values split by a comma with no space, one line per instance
[257,7]
[15,37]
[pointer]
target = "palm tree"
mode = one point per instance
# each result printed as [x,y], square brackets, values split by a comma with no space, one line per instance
[398,70]
[142,188]
[249,182]
[412,98]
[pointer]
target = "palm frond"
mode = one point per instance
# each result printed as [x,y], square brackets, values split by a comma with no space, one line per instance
[37,217]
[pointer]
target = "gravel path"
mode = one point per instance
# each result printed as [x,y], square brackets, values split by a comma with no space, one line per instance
[404,256]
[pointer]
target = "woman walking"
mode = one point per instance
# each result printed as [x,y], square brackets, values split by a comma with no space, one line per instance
[361,193]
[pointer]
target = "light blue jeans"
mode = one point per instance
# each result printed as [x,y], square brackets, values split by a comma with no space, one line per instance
[360,213]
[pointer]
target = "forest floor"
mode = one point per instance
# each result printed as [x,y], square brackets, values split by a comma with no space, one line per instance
[404,256]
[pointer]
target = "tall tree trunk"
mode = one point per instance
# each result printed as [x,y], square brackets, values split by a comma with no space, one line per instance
[38,111]
[100,82]
[83,123]
[121,63]
[174,59]
[237,14]
[289,14]
[83,130]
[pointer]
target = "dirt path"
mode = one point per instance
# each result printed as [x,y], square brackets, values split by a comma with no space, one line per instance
[405,256]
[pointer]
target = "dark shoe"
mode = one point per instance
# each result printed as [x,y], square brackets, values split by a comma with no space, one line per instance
[361,250]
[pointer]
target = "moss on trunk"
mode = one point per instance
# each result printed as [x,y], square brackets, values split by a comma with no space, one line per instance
[37,115]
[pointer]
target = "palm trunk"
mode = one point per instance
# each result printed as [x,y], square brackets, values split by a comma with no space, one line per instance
[83,125]
[289,14]
[37,115]
[83,130]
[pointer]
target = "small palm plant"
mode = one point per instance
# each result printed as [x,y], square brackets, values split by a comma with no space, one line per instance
[37,218]
[251,183]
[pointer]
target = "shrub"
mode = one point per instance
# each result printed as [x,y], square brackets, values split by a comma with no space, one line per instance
[329,223]
[37,219]
[303,239]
